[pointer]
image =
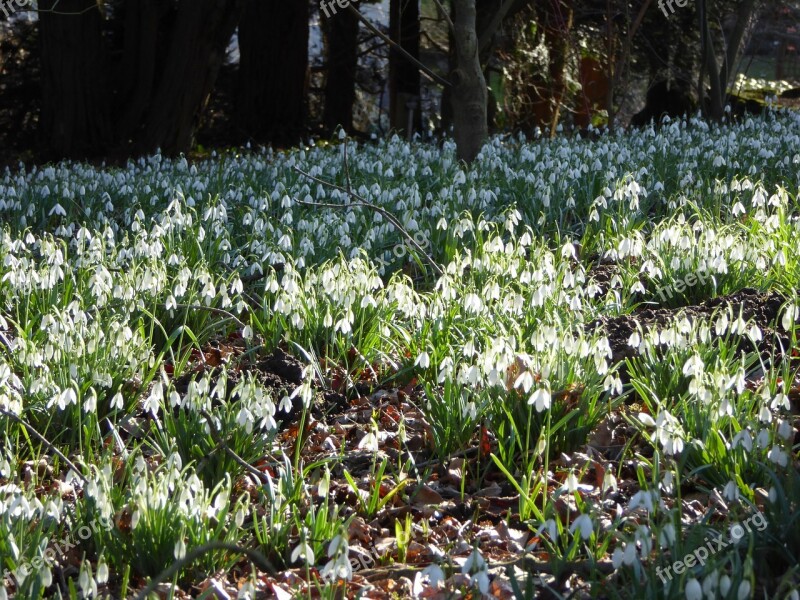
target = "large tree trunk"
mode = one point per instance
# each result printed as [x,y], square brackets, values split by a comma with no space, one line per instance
[404,78]
[341,31]
[468,93]
[273,46]
[720,74]
[142,20]
[74,120]
[202,31]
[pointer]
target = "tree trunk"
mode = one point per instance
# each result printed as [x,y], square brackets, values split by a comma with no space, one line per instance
[273,46]
[142,20]
[404,78]
[74,121]
[719,75]
[202,31]
[341,31]
[468,93]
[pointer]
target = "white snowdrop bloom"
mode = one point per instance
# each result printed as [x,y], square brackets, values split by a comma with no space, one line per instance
[785,429]
[304,551]
[67,397]
[763,438]
[646,419]
[694,591]
[780,401]
[744,590]
[721,325]
[777,455]
[710,584]
[644,499]
[617,557]
[180,549]
[540,399]
[731,491]
[369,442]
[571,483]
[584,524]
[629,555]
[666,536]
[694,366]
[790,316]
[743,439]
[431,577]
[634,340]
[423,360]
[549,527]
[57,210]
[609,481]
[154,399]
[724,585]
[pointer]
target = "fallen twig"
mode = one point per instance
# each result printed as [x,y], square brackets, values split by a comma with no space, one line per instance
[359,201]
[32,430]
[254,556]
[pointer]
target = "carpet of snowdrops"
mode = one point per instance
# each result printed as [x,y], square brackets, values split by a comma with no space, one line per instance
[214,384]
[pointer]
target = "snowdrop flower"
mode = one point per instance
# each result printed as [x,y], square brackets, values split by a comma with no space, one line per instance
[667,536]
[785,429]
[744,590]
[476,567]
[525,381]
[609,481]
[731,491]
[724,585]
[780,401]
[694,590]
[778,456]
[339,566]
[423,361]
[154,399]
[644,499]
[180,549]
[743,439]
[304,551]
[57,210]
[571,483]
[369,442]
[540,399]
[585,524]
[550,527]
[431,577]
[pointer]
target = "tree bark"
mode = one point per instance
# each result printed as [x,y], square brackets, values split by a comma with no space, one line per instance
[341,31]
[719,75]
[202,31]
[404,77]
[273,67]
[141,47]
[75,118]
[468,93]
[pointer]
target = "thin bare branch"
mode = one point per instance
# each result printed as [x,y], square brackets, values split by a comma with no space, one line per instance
[425,70]
[253,556]
[32,430]
[211,309]
[487,34]
[359,201]
[446,16]
[215,435]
